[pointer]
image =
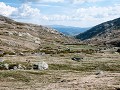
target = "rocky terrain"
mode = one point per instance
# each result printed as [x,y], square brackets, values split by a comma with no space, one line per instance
[107,33]
[97,71]
[19,37]
[34,57]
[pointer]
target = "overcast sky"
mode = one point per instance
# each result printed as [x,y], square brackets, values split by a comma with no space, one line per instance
[80,13]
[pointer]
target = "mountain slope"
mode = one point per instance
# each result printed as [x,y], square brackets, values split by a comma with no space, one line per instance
[105,33]
[17,36]
[69,30]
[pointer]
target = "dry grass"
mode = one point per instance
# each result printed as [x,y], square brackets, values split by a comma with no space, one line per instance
[12,76]
[64,73]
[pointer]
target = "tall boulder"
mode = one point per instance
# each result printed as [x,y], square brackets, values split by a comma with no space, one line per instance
[40,66]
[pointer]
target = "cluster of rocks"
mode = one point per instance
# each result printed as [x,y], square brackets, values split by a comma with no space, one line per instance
[77,59]
[27,66]
[6,66]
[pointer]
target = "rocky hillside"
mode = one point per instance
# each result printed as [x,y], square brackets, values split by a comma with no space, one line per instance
[105,33]
[17,36]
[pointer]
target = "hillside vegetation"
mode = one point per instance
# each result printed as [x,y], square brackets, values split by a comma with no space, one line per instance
[22,37]
[107,33]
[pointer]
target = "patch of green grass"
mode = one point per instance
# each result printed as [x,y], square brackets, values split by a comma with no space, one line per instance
[90,66]
[107,67]
[16,75]
[37,72]
[59,67]
[7,61]
[77,47]
[70,67]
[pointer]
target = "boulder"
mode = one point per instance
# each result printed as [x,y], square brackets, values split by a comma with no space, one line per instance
[76,58]
[6,66]
[118,50]
[40,66]
[13,67]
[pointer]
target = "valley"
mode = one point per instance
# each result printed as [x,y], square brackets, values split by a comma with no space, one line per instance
[95,71]
[69,30]
[73,64]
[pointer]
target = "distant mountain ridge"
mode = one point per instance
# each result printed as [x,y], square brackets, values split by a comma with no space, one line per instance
[105,33]
[69,30]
